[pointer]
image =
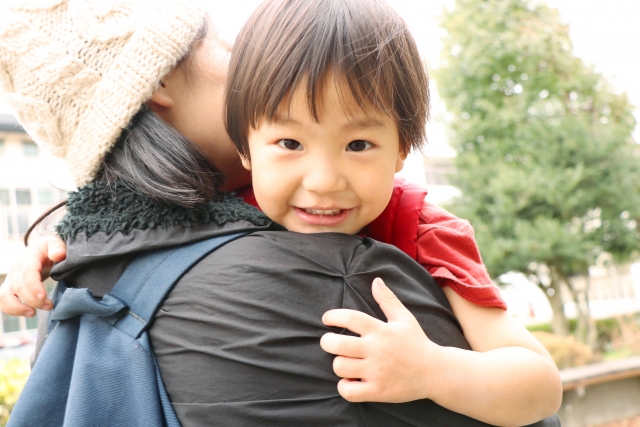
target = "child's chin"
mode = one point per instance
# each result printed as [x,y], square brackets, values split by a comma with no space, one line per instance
[310,229]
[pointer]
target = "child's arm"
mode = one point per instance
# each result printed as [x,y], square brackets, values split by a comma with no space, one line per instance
[22,290]
[508,380]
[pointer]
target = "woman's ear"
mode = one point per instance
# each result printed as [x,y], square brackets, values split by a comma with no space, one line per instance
[161,99]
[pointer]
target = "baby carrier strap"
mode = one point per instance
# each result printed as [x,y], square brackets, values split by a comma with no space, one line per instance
[97,367]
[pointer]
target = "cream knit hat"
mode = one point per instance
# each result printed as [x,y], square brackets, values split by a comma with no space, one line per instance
[77,71]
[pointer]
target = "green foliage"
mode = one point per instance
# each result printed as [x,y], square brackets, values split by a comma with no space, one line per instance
[547,167]
[13,375]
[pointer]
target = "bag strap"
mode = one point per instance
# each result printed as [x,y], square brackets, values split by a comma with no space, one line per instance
[150,277]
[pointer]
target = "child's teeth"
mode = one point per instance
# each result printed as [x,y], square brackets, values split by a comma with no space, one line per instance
[322,212]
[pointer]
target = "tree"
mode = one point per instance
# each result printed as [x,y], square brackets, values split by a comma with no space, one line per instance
[547,167]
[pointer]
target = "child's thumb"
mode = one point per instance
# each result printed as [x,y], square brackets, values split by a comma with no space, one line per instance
[56,249]
[389,303]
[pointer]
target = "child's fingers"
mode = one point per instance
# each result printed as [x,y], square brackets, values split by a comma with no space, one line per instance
[355,321]
[37,263]
[27,281]
[343,345]
[29,287]
[354,390]
[56,248]
[11,305]
[32,291]
[42,254]
[348,367]
[389,303]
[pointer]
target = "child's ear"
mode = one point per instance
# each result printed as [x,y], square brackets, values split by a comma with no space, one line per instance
[246,162]
[400,161]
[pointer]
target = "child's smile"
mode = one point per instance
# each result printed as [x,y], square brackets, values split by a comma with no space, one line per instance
[322,217]
[331,175]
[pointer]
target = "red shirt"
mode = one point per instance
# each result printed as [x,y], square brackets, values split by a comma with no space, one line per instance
[439,241]
[448,250]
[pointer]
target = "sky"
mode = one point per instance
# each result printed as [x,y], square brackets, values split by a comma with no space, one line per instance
[604,33]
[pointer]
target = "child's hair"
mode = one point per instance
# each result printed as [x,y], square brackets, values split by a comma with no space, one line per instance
[363,44]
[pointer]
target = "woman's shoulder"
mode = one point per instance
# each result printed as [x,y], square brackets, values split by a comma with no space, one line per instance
[269,251]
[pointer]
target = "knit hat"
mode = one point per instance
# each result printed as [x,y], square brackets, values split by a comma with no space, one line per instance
[77,71]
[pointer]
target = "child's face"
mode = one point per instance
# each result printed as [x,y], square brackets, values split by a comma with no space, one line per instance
[335,175]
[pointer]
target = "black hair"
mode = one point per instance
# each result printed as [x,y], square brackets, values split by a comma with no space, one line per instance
[154,159]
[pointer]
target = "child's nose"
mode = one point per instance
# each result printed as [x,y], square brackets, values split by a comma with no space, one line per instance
[324,177]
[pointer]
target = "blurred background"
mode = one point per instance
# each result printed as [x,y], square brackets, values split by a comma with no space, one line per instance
[532,137]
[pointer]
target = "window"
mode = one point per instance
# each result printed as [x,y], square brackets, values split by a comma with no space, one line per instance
[23,222]
[440,170]
[11,323]
[4,198]
[8,220]
[46,196]
[23,197]
[32,322]
[440,176]
[30,149]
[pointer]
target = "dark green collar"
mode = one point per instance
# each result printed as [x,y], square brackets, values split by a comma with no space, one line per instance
[114,207]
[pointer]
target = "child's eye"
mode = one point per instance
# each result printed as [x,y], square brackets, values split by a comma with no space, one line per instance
[290,144]
[359,145]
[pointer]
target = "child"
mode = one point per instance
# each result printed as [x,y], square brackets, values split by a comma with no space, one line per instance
[339,100]
[323,131]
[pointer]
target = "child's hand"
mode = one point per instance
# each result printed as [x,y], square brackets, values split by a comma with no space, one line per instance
[22,291]
[393,361]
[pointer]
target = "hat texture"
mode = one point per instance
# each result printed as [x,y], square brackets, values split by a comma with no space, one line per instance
[77,71]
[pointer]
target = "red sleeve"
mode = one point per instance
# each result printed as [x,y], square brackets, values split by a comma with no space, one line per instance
[448,250]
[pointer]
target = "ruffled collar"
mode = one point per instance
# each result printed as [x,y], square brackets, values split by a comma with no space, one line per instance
[114,207]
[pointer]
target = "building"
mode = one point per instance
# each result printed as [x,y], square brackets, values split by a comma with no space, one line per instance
[30,182]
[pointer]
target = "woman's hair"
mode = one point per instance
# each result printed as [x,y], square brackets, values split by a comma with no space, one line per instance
[154,159]
[363,44]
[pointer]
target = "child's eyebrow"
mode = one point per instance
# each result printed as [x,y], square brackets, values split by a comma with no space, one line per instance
[365,122]
[360,122]
[284,119]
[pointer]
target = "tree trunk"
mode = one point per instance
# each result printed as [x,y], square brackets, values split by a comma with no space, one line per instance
[585,328]
[559,323]
[581,324]
[592,331]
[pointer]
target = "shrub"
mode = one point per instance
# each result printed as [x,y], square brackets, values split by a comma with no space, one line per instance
[625,339]
[13,375]
[565,351]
